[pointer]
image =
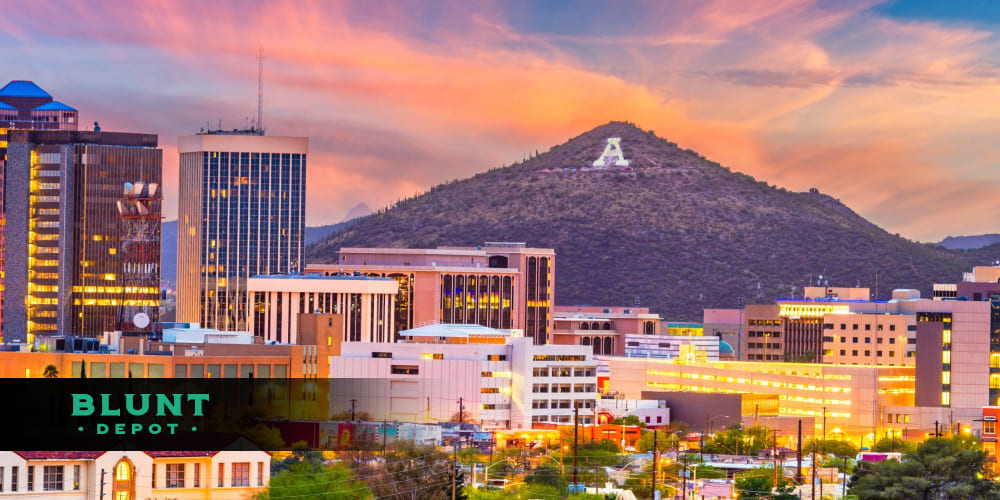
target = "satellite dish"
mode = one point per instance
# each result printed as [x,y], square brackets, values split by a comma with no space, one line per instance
[140,320]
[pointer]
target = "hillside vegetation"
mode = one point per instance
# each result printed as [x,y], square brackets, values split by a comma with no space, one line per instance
[677,233]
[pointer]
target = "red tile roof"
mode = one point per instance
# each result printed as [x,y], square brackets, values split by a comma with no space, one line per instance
[180,454]
[59,455]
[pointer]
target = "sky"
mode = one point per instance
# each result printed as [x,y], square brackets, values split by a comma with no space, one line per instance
[891,107]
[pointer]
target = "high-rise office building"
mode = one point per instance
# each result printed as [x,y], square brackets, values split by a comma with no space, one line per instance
[241,213]
[24,105]
[82,233]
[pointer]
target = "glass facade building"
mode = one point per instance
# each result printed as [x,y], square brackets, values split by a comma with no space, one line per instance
[67,247]
[241,214]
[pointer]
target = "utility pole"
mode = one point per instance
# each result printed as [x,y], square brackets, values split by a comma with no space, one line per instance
[701,450]
[102,484]
[684,480]
[937,429]
[576,434]
[454,455]
[798,470]
[843,491]
[354,403]
[774,456]
[814,471]
[461,410]
[656,463]
[824,423]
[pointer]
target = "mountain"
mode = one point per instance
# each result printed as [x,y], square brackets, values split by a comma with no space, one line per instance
[320,233]
[970,242]
[674,231]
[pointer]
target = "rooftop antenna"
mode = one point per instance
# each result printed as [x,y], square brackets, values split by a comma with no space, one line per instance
[260,88]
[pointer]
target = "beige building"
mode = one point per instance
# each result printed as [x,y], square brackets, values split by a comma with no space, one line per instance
[602,328]
[133,475]
[498,285]
[241,213]
[849,398]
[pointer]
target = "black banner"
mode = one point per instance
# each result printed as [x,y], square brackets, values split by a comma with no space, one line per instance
[185,414]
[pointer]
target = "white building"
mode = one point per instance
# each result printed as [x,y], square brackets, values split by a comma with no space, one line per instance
[366,303]
[133,475]
[504,382]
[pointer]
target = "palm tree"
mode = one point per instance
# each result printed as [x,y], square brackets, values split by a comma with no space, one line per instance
[50,371]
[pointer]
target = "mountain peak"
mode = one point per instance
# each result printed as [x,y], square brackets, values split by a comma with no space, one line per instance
[670,228]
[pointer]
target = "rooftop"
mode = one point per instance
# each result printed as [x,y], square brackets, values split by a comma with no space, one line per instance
[6,106]
[54,106]
[454,330]
[23,88]
[317,276]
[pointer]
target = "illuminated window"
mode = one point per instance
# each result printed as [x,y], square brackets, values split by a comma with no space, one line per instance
[946,357]
[946,378]
[946,399]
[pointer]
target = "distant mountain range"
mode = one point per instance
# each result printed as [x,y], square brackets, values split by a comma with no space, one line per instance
[672,231]
[970,242]
[168,239]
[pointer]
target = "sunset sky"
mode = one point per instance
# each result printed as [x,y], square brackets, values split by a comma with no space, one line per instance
[891,107]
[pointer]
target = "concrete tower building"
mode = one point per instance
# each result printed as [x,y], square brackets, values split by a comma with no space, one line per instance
[241,213]
[25,106]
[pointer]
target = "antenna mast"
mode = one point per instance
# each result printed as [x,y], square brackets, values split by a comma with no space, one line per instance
[260,89]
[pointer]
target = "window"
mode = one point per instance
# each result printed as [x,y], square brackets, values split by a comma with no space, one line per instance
[892,354]
[843,352]
[31,478]
[13,478]
[854,326]
[260,473]
[878,340]
[52,478]
[843,326]
[222,473]
[76,477]
[196,477]
[382,355]
[868,340]
[868,327]
[843,339]
[854,352]
[1,479]
[892,328]
[540,388]
[433,355]
[241,474]
[868,353]
[892,340]
[989,427]
[496,357]
[854,340]
[540,372]
[405,370]
[175,476]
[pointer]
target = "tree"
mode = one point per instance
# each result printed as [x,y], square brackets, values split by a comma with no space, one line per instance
[409,470]
[832,447]
[894,445]
[759,483]
[939,468]
[548,474]
[50,371]
[739,441]
[304,475]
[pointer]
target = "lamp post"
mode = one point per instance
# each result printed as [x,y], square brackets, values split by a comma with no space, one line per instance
[870,436]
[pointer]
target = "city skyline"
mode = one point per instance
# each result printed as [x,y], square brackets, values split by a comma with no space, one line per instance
[396,100]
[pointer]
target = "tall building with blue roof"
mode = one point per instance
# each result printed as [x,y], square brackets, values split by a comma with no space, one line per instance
[24,105]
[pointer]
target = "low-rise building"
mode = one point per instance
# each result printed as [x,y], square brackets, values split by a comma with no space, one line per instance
[603,328]
[509,385]
[130,475]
